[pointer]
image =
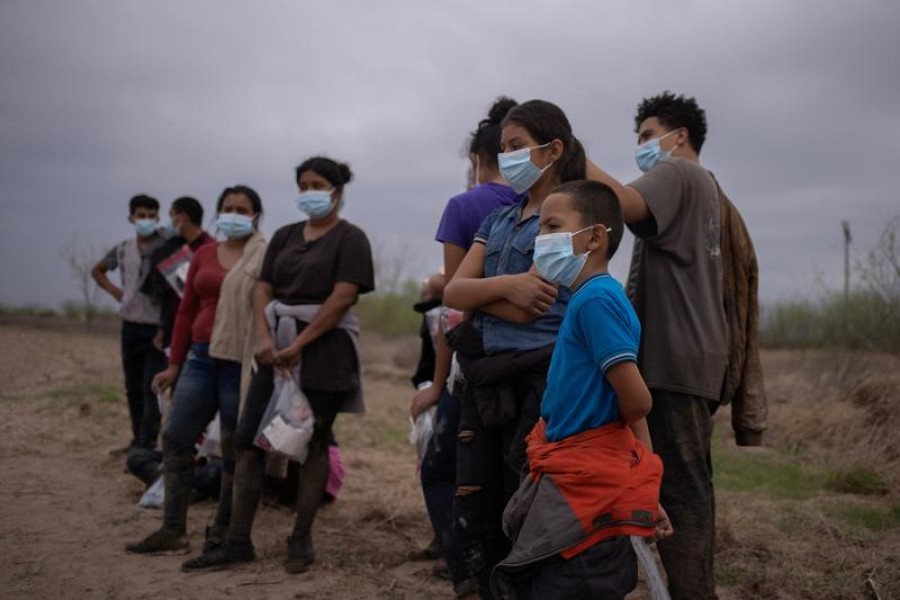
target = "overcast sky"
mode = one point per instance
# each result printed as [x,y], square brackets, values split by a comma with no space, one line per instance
[100,100]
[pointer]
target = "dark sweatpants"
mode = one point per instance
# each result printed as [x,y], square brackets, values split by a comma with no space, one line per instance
[607,570]
[681,432]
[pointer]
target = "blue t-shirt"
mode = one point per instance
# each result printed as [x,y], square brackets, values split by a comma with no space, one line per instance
[509,250]
[600,330]
[465,213]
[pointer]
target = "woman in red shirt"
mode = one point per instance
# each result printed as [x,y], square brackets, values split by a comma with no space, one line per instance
[206,384]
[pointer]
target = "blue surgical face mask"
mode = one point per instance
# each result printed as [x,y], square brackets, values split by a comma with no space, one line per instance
[315,203]
[518,170]
[234,226]
[648,154]
[145,227]
[555,258]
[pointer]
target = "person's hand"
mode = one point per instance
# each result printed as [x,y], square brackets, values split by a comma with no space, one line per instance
[117,293]
[664,527]
[529,292]
[423,400]
[158,340]
[164,379]
[264,352]
[289,356]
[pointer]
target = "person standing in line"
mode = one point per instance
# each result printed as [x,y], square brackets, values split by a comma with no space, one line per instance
[141,359]
[312,275]
[676,287]
[459,223]
[211,340]
[593,480]
[504,350]
[185,228]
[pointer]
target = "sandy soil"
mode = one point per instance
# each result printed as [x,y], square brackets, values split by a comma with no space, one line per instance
[67,508]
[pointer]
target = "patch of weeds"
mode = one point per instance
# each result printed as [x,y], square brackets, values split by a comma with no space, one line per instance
[104,394]
[869,517]
[732,574]
[865,482]
[778,479]
[791,521]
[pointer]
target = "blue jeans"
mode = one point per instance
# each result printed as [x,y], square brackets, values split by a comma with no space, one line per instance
[438,478]
[206,385]
[140,362]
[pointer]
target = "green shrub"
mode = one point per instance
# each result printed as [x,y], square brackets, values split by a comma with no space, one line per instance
[866,318]
[390,312]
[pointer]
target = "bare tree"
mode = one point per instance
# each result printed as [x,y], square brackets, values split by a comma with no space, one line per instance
[879,270]
[81,260]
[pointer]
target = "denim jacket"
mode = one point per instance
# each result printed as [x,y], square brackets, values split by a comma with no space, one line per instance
[509,248]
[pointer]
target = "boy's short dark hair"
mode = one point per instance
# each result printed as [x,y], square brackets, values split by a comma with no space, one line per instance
[190,207]
[596,203]
[142,201]
[673,112]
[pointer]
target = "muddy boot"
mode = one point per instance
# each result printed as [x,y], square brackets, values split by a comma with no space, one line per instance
[300,554]
[215,537]
[162,541]
[178,471]
[246,493]
[223,557]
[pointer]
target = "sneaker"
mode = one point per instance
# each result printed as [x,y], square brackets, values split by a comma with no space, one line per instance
[215,537]
[300,555]
[162,541]
[223,557]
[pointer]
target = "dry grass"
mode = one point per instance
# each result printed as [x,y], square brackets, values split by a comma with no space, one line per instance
[814,514]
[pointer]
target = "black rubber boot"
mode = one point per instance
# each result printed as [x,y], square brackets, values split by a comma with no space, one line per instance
[223,557]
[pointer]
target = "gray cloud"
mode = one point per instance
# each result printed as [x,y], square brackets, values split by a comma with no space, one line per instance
[105,99]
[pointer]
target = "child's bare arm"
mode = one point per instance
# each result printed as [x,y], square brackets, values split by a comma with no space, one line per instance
[634,397]
[642,432]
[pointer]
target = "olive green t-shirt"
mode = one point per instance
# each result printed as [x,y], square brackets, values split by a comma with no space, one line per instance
[675,281]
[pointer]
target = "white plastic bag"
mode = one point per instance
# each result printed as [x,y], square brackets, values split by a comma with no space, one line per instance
[658,589]
[287,424]
[155,496]
[212,439]
[422,428]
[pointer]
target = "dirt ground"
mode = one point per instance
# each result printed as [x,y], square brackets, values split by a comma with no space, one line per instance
[67,508]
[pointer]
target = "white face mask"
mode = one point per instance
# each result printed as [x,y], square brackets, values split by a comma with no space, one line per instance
[648,154]
[315,203]
[555,258]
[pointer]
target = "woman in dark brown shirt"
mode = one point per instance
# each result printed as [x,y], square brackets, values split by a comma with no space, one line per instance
[313,273]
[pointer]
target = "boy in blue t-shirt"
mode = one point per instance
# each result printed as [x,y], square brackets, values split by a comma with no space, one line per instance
[590,456]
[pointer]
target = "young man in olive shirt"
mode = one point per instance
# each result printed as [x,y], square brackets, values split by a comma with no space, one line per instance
[675,285]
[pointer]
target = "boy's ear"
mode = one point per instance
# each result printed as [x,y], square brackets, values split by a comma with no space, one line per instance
[597,240]
[131,219]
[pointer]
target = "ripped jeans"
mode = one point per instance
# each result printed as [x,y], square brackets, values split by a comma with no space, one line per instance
[489,465]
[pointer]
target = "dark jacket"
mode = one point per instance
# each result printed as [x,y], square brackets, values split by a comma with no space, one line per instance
[743,386]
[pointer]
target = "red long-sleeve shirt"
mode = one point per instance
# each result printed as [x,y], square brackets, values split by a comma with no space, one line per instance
[197,311]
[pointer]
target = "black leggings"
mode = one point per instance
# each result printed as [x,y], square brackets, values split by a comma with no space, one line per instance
[250,460]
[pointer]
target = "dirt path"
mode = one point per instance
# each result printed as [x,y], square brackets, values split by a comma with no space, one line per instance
[66,508]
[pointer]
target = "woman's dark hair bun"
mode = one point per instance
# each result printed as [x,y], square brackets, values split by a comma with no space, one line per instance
[498,111]
[345,172]
[337,173]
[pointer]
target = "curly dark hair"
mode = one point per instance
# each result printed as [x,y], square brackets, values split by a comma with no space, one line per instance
[674,112]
